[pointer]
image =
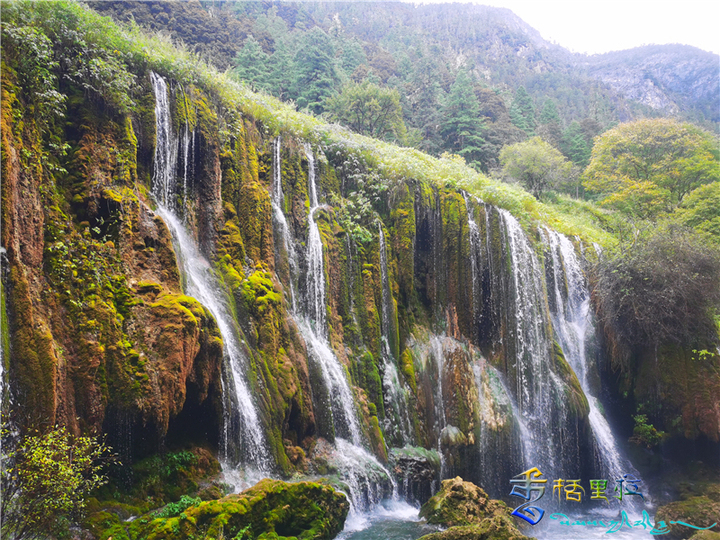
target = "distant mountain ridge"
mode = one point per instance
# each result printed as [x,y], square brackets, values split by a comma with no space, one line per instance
[667,78]
[499,47]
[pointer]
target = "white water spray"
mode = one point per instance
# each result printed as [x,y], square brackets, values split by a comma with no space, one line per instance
[200,283]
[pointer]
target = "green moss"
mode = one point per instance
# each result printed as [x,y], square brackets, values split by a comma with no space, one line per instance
[33,364]
[255,222]
[407,366]
[574,394]
[469,513]
[270,509]
[699,511]
[260,293]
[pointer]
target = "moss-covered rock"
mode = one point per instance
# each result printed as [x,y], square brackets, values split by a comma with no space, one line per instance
[705,535]
[270,509]
[466,507]
[491,529]
[700,511]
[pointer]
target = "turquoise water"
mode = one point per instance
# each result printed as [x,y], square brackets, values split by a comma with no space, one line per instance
[394,520]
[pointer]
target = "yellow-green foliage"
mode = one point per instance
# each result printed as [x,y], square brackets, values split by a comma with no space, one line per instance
[395,163]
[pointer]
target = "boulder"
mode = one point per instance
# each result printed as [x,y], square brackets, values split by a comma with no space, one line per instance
[470,513]
[416,470]
[271,508]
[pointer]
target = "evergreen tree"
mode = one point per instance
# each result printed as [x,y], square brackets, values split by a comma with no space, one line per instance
[522,111]
[282,71]
[316,76]
[252,65]
[461,126]
[574,146]
[423,95]
[549,128]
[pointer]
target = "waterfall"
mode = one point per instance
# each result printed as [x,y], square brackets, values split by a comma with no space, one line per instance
[165,162]
[244,434]
[315,281]
[573,324]
[441,425]
[366,481]
[3,327]
[540,393]
[282,229]
[399,427]
[313,327]
[475,246]
[186,158]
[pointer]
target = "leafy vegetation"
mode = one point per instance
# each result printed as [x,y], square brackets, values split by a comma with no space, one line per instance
[45,479]
[536,164]
[648,166]
[662,284]
[368,109]
[645,434]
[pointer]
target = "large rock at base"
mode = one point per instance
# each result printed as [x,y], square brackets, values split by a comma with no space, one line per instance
[416,470]
[270,509]
[470,513]
[699,511]
[705,535]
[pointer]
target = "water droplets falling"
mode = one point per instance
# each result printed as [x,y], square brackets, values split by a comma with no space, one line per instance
[573,324]
[397,425]
[314,327]
[244,440]
[540,393]
[165,162]
[282,229]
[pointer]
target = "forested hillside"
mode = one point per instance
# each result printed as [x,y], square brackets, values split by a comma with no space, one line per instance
[419,62]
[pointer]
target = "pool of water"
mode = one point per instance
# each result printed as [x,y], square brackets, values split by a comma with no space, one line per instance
[391,520]
[395,520]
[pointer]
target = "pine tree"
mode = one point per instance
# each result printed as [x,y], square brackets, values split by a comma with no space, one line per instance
[522,112]
[423,94]
[574,146]
[252,64]
[461,126]
[549,128]
[316,76]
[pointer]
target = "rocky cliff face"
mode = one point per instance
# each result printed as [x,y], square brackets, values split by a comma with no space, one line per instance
[665,78]
[343,301]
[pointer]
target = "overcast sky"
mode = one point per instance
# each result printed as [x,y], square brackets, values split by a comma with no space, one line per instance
[598,26]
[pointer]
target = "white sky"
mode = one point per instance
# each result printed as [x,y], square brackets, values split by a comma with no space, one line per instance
[598,26]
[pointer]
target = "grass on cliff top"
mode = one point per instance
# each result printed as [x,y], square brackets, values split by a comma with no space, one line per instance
[157,52]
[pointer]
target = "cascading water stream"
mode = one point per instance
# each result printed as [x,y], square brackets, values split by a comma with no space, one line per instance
[244,436]
[540,394]
[475,246]
[282,228]
[572,321]
[436,350]
[314,327]
[399,427]
[3,324]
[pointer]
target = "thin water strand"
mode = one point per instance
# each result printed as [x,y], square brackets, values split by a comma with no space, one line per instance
[394,391]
